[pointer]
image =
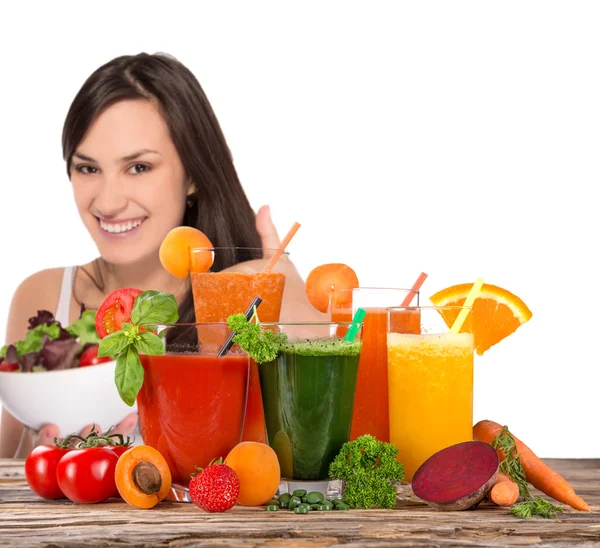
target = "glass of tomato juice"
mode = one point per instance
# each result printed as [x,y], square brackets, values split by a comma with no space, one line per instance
[192,403]
[219,293]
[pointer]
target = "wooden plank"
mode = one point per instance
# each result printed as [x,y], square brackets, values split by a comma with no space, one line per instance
[26,520]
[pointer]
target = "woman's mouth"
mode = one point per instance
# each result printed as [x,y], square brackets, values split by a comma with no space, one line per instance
[120,227]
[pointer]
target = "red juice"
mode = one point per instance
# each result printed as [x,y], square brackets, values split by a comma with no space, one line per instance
[192,407]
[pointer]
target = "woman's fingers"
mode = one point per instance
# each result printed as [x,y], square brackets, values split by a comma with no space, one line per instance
[87,430]
[266,229]
[127,425]
[46,434]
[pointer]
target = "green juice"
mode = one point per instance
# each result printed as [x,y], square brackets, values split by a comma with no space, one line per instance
[308,397]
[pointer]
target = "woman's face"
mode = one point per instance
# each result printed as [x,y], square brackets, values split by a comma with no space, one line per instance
[129,183]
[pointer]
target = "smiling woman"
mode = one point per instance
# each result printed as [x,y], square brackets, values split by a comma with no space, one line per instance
[145,153]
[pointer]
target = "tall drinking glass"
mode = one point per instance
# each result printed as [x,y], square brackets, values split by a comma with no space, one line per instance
[308,397]
[430,377]
[371,410]
[219,294]
[192,403]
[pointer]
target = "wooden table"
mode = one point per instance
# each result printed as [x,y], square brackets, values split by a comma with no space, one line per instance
[26,520]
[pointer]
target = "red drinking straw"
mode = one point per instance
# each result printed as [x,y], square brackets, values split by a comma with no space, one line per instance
[416,286]
[284,243]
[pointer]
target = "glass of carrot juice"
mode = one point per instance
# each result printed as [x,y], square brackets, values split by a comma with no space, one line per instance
[430,376]
[220,293]
[371,410]
[192,403]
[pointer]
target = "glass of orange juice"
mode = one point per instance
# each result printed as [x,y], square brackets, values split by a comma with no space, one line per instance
[219,293]
[430,382]
[371,401]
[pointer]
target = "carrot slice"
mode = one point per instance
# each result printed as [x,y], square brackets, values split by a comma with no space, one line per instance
[326,280]
[538,473]
[142,476]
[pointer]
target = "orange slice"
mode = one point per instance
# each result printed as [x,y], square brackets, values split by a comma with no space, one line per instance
[496,312]
[174,252]
[324,279]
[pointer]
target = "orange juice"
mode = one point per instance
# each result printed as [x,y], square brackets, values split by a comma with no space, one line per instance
[430,394]
[218,295]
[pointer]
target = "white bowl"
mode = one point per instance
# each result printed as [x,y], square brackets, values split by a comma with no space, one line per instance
[68,398]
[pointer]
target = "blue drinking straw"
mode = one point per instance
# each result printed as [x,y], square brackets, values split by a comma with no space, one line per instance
[359,316]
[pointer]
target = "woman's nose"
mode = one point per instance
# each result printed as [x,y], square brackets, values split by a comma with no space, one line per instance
[111,197]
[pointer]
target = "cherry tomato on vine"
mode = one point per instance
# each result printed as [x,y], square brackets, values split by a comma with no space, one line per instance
[40,470]
[88,475]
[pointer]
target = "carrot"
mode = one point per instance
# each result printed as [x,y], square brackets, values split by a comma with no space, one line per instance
[538,473]
[505,491]
[330,281]
[142,476]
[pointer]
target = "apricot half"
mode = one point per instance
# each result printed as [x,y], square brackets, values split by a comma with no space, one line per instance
[175,251]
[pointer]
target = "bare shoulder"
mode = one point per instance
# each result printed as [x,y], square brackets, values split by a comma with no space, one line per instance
[40,291]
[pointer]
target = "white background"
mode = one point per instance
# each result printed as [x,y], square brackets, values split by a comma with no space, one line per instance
[457,138]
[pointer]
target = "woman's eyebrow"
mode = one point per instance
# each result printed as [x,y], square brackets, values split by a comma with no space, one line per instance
[139,153]
[83,157]
[127,158]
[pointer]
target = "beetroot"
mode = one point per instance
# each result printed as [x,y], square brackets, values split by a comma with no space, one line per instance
[458,477]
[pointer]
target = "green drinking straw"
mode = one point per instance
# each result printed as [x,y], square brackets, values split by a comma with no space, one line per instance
[359,316]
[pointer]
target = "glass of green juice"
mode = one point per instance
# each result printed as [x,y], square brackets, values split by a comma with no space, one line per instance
[308,399]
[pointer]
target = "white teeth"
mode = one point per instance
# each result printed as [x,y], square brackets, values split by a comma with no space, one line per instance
[118,228]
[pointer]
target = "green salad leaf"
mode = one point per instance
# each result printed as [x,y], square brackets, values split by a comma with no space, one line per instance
[84,328]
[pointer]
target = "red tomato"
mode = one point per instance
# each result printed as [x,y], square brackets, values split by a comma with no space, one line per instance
[119,449]
[40,470]
[115,310]
[90,357]
[8,367]
[88,475]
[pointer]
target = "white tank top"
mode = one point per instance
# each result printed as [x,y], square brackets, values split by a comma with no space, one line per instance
[64,299]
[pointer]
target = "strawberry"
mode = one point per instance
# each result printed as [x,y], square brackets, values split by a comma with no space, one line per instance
[216,488]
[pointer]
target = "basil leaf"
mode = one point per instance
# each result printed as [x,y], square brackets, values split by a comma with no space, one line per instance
[149,343]
[112,344]
[129,375]
[154,307]
[3,351]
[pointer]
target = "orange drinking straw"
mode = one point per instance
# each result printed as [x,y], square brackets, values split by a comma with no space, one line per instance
[284,243]
[416,286]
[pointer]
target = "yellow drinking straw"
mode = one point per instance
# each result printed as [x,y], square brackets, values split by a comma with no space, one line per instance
[462,315]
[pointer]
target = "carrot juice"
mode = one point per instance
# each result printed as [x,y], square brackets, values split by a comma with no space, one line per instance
[371,408]
[430,390]
[218,295]
[191,408]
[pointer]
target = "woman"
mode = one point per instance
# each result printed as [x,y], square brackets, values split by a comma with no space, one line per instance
[144,153]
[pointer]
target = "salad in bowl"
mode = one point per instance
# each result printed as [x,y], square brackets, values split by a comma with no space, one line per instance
[54,376]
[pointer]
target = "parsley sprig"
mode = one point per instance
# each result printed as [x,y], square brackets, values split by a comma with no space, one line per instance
[262,345]
[150,308]
[512,467]
[370,469]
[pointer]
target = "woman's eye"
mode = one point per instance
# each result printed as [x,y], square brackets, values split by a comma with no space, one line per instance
[86,170]
[138,168]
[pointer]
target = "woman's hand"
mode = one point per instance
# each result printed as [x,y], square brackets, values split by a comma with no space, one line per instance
[48,432]
[295,306]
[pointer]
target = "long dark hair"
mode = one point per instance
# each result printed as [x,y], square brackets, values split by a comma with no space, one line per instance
[219,206]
